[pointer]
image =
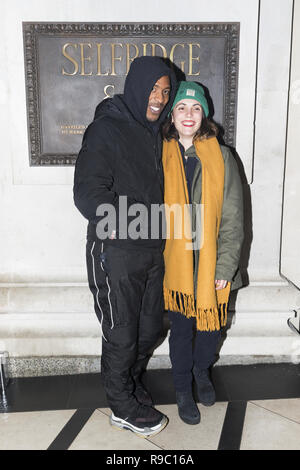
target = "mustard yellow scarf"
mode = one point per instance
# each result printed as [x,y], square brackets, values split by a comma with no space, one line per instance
[210,308]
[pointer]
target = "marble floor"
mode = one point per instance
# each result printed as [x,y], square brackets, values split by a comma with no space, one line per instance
[257,408]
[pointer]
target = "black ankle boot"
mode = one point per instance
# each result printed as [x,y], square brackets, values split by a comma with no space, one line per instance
[206,391]
[187,408]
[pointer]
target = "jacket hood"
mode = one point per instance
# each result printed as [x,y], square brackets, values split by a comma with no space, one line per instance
[142,76]
[114,107]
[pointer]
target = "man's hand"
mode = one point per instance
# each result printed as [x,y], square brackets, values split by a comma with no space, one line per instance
[220,284]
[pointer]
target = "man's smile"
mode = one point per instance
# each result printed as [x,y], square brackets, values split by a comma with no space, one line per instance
[155,108]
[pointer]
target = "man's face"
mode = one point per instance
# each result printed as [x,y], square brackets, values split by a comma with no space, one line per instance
[158,98]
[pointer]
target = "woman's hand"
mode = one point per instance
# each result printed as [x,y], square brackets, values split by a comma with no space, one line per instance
[220,284]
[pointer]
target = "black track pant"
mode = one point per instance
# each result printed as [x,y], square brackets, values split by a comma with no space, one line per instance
[128,299]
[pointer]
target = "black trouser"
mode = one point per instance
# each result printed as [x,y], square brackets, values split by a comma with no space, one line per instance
[128,300]
[188,350]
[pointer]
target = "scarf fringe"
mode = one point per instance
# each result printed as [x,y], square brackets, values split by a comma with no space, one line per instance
[207,319]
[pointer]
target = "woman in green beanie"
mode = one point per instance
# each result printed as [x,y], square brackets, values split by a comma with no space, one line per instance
[201,266]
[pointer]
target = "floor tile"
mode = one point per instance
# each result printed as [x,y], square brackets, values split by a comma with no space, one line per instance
[180,436]
[232,428]
[59,410]
[260,381]
[160,385]
[106,411]
[39,393]
[31,430]
[87,392]
[289,408]
[98,434]
[265,430]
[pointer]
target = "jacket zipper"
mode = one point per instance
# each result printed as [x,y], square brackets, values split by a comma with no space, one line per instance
[156,158]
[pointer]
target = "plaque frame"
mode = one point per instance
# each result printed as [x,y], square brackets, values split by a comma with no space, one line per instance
[31,31]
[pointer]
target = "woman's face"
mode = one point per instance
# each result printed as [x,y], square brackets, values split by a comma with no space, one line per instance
[187,117]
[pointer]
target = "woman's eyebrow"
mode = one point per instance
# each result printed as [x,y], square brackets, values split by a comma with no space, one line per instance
[185,104]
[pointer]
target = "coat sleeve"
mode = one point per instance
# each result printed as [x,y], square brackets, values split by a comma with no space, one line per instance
[93,177]
[231,233]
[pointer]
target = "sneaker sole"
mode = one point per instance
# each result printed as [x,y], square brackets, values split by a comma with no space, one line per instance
[122,424]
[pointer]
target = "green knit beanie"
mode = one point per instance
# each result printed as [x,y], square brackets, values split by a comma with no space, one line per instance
[191,90]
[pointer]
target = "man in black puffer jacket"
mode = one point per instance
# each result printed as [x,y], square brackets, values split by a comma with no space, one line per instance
[119,165]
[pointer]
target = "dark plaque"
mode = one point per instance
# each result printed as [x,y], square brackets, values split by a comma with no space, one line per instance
[71,67]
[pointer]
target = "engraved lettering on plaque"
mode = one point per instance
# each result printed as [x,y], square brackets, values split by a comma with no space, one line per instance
[71,67]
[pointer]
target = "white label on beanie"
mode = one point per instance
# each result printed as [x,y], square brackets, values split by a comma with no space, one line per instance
[190,92]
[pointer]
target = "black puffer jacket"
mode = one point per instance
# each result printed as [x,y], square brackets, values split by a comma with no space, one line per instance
[121,152]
